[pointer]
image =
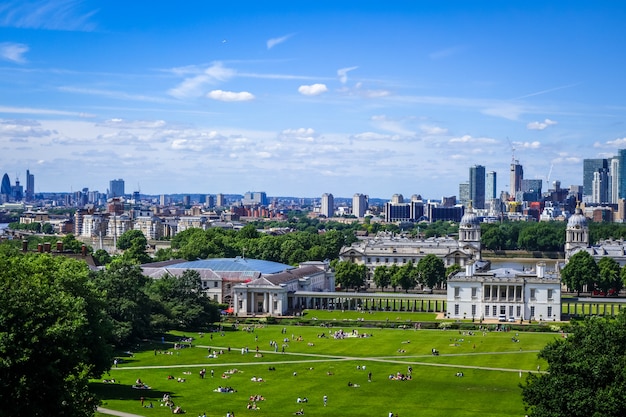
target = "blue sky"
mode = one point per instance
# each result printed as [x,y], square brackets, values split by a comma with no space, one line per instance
[307,97]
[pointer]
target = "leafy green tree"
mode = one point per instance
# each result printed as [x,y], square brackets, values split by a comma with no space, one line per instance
[134,243]
[127,303]
[453,269]
[581,269]
[349,274]
[493,237]
[405,277]
[164,254]
[71,244]
[382,278]
[183,302]
[609,275]
[585,375]
[248,232]
[432,270]
[102,257]
[54,336]
[392,270]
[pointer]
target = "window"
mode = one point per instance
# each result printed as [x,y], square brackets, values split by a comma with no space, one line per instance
[532,294]
[487,290]
[495,310]
[549,311]
[386,260]
[532,312]
[550,296]
[457,292]
[487,311]
[456,309]
[214,284]
[519,311]
[215,297]
[377,260]
[474,291]
[473,310]
[369,260]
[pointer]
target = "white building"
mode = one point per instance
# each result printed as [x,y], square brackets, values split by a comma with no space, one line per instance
[504,294]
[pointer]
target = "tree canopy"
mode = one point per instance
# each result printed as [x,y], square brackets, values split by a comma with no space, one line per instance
[54,331]
[585,375]
[580,270]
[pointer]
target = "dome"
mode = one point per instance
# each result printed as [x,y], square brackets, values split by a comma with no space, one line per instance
[577,220]
[469,219]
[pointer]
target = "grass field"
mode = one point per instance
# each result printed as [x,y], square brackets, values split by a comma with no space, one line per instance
[314,366]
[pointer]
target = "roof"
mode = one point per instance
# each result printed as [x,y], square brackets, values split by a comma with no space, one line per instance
[241,266]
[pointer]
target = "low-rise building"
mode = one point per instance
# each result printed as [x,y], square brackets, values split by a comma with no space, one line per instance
[504,294]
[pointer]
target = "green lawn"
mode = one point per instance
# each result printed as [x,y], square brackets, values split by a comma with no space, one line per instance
[491,363]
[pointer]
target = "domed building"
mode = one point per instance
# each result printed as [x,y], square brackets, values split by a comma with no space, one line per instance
[577,239]
[469,233]
[576,233]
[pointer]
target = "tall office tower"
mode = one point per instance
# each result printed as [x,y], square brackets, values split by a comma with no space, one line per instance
[328,205]
[621,183]
[464,193]
[599,186]
[359,205]
[186,200]
[589,167]
[477,186]
[614,180]
[116,188]
[209,201]
[517,175]
[220,201]
[490,185]
[30,186]
[162,200]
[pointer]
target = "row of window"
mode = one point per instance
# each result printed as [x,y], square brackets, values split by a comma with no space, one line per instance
[502,294]
[497,311]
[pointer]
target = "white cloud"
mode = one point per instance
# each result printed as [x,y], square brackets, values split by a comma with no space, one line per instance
[194,86]
[302,134]
[615,143]
[343,74]
[312,90]
[472,140]
[275,41]
[47,14]
[527,145]
[433,130]
[29,110]
[230,95]
[540,125]
[13,52]
[393,126]
[22,129]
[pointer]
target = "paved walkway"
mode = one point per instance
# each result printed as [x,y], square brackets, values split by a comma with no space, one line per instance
[116,413]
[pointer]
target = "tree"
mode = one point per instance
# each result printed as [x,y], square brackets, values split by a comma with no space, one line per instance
[349,274]
[183,302]
[134,243]
[102,257]
[453,269]
[382,278]
[432,270]
[405,277]
[585,375]
[54,336]
[392,271]
[609,275]
[581,269]
[127,303]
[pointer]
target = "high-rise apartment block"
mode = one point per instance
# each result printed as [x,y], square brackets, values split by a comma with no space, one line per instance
[490,185]
[116,188]
[328,205]
[517,175]
[359,205]
[220,201]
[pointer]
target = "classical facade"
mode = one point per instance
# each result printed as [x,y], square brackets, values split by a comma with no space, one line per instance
[252,286]
[577,239]
[504,294]
[388,249]
[276,294]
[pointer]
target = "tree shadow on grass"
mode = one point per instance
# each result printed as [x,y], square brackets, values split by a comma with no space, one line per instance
[116,391]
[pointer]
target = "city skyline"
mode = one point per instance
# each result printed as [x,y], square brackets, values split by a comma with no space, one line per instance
[306,99]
